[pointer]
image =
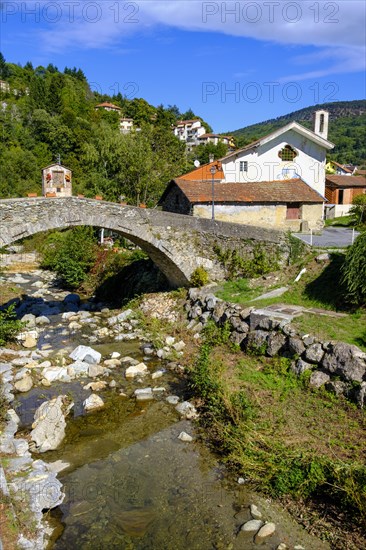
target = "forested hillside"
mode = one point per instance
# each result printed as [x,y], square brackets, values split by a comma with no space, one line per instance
[45,113]
[347,129]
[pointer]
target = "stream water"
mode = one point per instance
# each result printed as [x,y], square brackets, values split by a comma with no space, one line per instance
[130,483]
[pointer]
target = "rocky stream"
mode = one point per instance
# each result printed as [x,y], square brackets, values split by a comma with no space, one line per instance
[101,444]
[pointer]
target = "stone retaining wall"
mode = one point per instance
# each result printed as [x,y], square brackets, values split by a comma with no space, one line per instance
[339,367]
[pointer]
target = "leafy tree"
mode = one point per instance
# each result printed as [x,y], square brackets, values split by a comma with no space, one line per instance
[203,152]
[358,210]
[4,69]
[354,271]
[71,254]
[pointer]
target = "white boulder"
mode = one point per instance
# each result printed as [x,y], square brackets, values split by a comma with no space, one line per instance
[87,354]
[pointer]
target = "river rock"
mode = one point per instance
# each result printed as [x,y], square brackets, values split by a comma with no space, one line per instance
[93,402]
[29,319]
[172,399]
[42,320]
[254,512]
[87,354]
[183,436]
[266,531]
[136,370]
[124,315]
[179,346]
[112,362]
[96,370]
[187,410]
[49,424]
[157,374]
[115,355]
[144,394]
[25,384]
[253,525]
[96,386]
[53,374]
[169,340]
[29,342]
[77,369]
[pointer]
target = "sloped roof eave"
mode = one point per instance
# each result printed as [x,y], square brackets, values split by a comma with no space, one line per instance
[275,192]
[269,137]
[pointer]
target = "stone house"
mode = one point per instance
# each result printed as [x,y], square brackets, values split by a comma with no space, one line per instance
[340,192]
[215,139]
[276,181]
[56,181]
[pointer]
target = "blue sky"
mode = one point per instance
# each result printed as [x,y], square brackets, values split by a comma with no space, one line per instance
[234,63]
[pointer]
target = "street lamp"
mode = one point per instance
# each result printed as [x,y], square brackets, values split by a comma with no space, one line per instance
[213,172]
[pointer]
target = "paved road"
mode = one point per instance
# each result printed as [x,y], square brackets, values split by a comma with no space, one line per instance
[331,236]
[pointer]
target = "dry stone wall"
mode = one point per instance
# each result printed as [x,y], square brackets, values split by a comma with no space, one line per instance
[339,367]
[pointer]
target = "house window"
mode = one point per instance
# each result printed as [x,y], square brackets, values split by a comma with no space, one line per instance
[340,196]
[58,189]
[293,212]
[287,153]
[243,166]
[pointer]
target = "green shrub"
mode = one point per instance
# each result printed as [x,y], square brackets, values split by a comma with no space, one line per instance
[354,271]
[9,325]
[71,254]
[199,277]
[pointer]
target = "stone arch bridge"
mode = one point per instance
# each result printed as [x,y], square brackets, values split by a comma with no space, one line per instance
[177,244]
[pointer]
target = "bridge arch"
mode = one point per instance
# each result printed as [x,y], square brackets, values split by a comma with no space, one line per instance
[177,244]
[20,218]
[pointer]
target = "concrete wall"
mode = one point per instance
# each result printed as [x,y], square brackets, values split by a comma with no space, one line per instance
[270,215]
[264,163]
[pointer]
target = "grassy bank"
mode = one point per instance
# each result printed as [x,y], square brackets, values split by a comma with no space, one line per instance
[282,437]
[320,287]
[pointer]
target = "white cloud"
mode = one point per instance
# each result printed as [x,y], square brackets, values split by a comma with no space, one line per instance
[336,28]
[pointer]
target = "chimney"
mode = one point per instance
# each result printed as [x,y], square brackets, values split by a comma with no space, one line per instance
[320,123]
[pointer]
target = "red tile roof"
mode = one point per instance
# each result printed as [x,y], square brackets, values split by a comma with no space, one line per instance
[344,168]
[203,173]
[344,181]
[280,191]
[110,105]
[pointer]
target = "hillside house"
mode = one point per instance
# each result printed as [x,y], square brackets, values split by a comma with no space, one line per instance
[333,167]
[276,181]
[108,107]
[215,139]
[340,192]
[56,181]
[126,125]
[189,131]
